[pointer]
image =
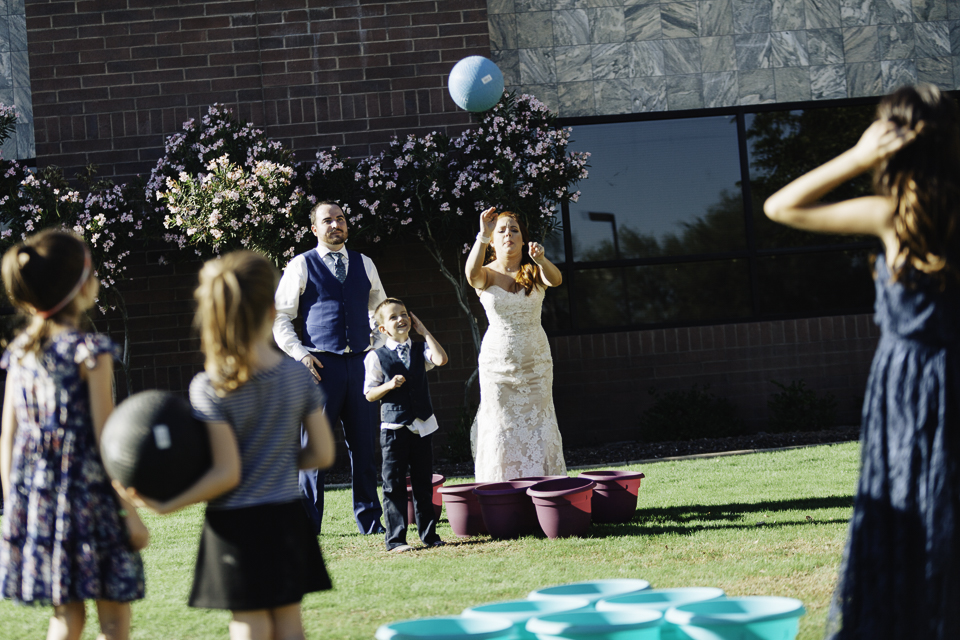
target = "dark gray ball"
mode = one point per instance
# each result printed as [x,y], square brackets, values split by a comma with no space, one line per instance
[152,443]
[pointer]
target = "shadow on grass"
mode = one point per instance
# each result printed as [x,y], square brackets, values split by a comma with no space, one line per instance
[690,519]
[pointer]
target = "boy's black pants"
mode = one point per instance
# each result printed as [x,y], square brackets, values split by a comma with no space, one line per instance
[403,450]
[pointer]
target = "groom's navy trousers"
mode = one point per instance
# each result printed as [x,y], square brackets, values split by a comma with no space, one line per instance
[341,380]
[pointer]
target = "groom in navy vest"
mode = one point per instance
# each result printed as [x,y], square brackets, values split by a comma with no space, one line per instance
[336,292]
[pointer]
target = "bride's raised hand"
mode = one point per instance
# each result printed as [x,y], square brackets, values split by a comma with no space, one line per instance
[881,140]
[488,221]
[536,251]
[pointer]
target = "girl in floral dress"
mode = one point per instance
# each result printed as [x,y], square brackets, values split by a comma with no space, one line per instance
[67,535]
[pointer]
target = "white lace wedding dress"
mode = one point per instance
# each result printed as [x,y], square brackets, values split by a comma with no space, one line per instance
[517,434]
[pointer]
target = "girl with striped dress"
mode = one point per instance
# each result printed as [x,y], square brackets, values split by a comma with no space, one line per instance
[258,555]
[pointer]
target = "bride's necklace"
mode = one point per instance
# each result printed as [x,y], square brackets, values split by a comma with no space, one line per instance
[510,269]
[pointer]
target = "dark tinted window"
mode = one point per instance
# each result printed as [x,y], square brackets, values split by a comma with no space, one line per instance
[662,188]
[670,293]
[664,213]
[783,145]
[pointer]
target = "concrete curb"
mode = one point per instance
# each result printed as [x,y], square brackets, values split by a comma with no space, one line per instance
[695,456]
[716,454]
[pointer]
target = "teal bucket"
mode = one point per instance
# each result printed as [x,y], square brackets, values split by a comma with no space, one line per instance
[746,618]
[519,611]
[592,590]
[661,600]
[640,624]
[447,628]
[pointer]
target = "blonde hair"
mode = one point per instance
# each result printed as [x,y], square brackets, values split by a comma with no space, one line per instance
[528,275]
[923,180]
[42,276]
[234,300]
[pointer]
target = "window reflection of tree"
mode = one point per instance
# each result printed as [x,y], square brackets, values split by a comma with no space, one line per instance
[782,145]
[621,296]
[719,230]
[685,292]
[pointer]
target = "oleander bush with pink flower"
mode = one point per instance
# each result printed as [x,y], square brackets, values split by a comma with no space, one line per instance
[105,215]
[222,185]
[98,211]
[431,188]
[8,121]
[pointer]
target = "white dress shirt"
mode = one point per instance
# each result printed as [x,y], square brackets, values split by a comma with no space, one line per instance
[291,287]
[374,378]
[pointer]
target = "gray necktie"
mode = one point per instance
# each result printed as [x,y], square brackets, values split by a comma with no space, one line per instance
[339,269]
[403,350]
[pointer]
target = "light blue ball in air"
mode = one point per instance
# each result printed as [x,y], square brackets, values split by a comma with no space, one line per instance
[475,84]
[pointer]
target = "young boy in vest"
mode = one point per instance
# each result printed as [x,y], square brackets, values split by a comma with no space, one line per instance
[396,374]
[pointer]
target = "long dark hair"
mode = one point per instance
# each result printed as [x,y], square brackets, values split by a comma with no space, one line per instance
[924,179]
[528,275]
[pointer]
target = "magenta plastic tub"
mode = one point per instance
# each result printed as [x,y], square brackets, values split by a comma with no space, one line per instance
[463,509]
[508,511]
[615,496]
[437,500]
[563,506]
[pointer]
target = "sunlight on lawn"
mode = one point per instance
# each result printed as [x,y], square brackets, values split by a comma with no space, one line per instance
[759,524]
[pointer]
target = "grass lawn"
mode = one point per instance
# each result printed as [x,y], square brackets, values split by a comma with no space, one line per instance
[758,524]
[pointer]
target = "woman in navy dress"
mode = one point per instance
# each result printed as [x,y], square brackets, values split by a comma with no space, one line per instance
[900,574]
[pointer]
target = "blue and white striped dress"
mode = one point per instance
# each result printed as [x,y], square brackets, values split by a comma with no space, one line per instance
[257,549]
[265,414]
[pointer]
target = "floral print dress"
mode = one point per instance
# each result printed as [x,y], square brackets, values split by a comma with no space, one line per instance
[63,538]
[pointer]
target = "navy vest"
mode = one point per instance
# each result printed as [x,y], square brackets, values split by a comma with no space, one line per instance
[412,400]
[335,315]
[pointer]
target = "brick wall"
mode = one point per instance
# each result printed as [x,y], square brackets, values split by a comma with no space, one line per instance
[164,348]
[112,78]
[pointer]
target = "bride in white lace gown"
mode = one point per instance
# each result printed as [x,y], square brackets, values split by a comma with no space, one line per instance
[517,434]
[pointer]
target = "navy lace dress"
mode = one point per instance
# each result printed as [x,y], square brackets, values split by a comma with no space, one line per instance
[900,575]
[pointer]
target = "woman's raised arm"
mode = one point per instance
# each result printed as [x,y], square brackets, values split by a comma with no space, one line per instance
[476,274]
[797,204]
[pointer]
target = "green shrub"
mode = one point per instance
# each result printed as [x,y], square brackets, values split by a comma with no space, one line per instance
[798,408]
[688,415]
